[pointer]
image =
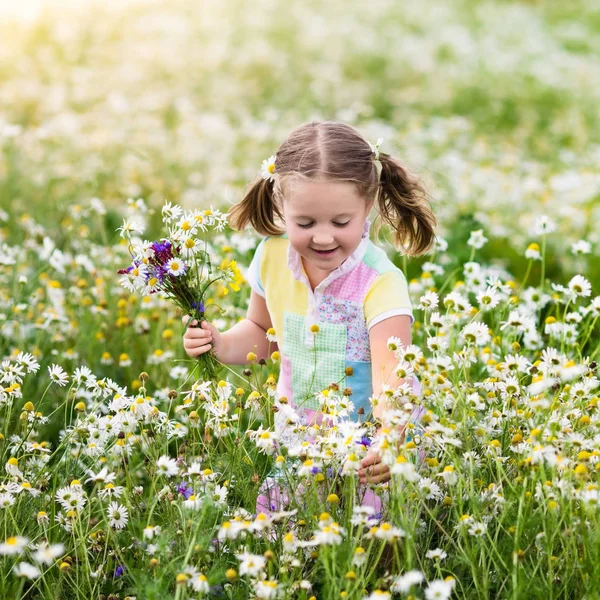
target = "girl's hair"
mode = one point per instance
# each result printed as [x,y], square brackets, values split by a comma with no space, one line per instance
[332,151]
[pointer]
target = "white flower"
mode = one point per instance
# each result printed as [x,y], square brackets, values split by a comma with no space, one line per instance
[58,375]
[378,594]
[103,475]
[375,148]
[405,469]
[439,589]
[330,533]
[387,532]
[437,554]
[176,267]
[150,531]
[477,528]
[581,247]
[477,239]
[26,570]
[265,440]
[543,225]
[533,252]
[402,584]
[167,466]
[268,168]
[476,333]
[129,228]
[46,554]
[267,589]
[6,500]
[580,287]
[117,515]
[171,212]
[488,299]
[429,301]
[251,564]
[13,545]
[28,360]
[200,583]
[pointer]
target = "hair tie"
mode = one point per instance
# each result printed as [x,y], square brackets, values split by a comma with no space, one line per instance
[375,148]
[268,168]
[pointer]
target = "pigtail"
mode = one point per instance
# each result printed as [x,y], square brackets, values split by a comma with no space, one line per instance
[257,208]
[403,205]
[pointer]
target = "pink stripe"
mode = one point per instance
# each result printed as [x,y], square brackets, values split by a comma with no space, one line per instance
[354,285]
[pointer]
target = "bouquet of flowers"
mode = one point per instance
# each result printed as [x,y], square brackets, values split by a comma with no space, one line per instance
[179,265]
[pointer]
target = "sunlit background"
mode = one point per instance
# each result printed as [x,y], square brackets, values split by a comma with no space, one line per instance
[107,110]
[493,103]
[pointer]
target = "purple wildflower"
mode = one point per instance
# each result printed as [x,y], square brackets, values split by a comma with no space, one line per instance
[162,252]
[199,306]
[119,571]
[185,489]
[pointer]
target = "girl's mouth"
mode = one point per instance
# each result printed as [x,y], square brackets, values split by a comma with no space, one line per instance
[326,252]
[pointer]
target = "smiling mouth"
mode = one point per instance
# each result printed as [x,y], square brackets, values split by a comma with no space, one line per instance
[326,252]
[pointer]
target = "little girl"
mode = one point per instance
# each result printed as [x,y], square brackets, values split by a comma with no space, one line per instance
[332,296]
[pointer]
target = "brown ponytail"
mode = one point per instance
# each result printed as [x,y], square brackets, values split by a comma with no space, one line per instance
[403,205]
[258,209]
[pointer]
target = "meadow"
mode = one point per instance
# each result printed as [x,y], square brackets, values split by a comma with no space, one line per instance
[124,474]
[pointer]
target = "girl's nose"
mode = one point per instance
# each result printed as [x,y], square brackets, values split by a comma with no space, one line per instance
[322,239]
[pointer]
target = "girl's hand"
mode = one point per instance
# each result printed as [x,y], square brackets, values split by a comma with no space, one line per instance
[373,470]
[198,340]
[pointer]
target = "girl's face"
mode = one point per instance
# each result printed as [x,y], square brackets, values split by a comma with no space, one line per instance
[324,222]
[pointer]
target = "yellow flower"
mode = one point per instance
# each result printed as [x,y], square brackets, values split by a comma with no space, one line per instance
[314,328]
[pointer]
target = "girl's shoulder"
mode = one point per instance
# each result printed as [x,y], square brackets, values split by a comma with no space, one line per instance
[376,258]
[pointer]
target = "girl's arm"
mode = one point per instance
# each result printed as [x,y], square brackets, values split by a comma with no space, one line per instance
[232,346]
[383,364]
[249,335]
[383,361]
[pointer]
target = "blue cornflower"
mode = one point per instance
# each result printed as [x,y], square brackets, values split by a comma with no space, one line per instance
[185,489]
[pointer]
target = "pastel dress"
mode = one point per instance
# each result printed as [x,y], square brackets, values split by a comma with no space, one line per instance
[366,289]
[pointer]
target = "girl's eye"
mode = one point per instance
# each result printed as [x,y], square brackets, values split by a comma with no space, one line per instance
[336,224]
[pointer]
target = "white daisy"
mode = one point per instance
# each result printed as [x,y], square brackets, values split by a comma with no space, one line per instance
[439,589]
[403,583]
[26,570]
[580,287]
[251,564]
[167,466]
[46,554]
[477,239]
[268,168]
[13,545]
[543,225]
[436,554]
[117,515]
[176,267]
[58,375]
[170,212]
[129,228]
